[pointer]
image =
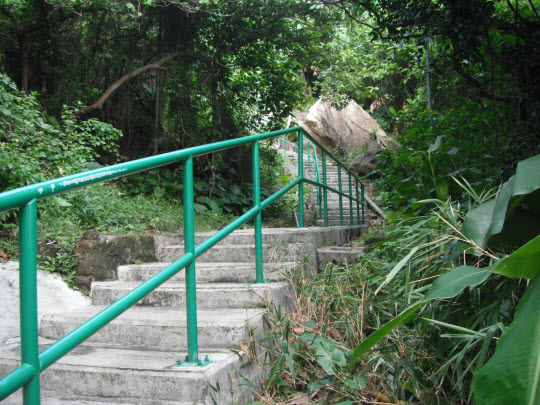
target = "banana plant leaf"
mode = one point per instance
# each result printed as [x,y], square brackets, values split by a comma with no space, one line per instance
[517,200]
[512,375]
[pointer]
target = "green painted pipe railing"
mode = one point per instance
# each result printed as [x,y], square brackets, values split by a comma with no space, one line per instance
[26,200]
[310,157]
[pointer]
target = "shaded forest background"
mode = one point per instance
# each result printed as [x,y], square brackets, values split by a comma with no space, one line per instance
[173,74]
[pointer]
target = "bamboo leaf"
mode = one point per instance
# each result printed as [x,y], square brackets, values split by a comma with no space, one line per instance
[397,268]
[512,375]
[380,333]
[455,281]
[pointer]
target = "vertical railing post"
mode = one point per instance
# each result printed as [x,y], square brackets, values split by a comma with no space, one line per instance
[258,218]
[319,190]
[301,176]
[357,195]
[325,191]
[28,299]
[308,157]
[284,143]
[340,196]
[351,218]
[363,206]
[189,247]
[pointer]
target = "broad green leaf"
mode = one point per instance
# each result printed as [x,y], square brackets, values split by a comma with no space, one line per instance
[329,356]
[309,324]
[199,207]
[455,281]
[512,375]
[436,145]
[357,382]
[213,206]
[159,192]
[321,383]
[489,218]
[523,263]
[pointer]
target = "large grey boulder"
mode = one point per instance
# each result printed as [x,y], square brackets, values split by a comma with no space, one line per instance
[364,164]
[348,130]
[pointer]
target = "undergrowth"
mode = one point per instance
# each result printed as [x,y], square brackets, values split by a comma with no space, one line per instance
[429,360]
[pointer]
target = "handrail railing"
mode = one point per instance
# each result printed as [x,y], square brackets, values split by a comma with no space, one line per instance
[26,199]
[315,162]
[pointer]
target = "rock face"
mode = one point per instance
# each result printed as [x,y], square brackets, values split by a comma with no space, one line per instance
[348,130]
[363,164]
[100,255]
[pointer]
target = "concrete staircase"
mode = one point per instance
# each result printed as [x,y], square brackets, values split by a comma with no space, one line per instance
[133,359]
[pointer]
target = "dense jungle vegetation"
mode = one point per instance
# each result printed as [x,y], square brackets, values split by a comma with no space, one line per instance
[90,83]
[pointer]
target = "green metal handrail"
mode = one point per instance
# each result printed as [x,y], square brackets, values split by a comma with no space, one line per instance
[26,199]
[315,162]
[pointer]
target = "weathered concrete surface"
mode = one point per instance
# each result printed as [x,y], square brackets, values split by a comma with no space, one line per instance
[100,255]
[209,295]
[349,130]
[159,328]
[241,253]
[113,375]
[132,357]
[338,255]
[51,398]
[206,272]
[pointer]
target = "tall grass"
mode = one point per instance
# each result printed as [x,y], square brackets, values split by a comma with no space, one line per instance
[429,360]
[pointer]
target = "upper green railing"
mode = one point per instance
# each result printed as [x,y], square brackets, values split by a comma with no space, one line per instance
[26,199]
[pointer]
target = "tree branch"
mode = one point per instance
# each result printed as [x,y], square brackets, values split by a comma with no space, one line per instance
[152,66]
[523,19]
[12,17]
[486,93]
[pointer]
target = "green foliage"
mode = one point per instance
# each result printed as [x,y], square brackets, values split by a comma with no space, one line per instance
[63,261]
[436,145]
[522,263]
[407,338]
[512,374]
[356,66]
[34,147]
[514,216]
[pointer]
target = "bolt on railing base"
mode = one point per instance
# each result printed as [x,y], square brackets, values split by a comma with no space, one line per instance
[198,363]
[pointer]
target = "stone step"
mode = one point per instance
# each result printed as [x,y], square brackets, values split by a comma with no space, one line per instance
[334,207]
[241,253]
[209,295]
[320,222]
[159,328]
[276,236]
[338,255]
[206,272]
[93,374]
[335,213]
[52,398]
